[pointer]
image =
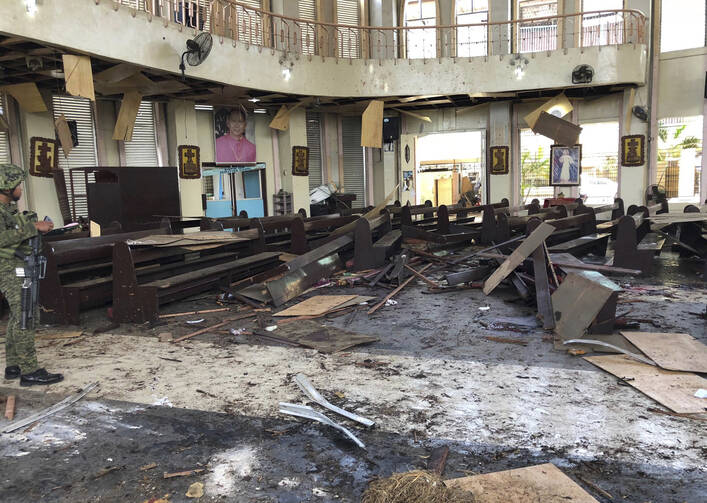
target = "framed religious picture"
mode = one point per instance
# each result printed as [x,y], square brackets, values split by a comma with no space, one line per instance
[300,161]
[189,161]
[565,164]
[633,150]
[43,156]
[499,160]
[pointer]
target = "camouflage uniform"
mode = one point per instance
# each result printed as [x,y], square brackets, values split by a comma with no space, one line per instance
[15,229]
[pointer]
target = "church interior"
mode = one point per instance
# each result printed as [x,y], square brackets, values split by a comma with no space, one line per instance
[378,251]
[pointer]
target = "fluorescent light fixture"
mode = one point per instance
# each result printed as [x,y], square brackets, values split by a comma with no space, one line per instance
[260,111]
[286,73]
[254,100]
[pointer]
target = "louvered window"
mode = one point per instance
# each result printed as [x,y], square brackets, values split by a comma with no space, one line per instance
[348,39]
[307,9]
[250,23]
[142,149]
[82,156]
[4,135]
[314,137]
[354,173]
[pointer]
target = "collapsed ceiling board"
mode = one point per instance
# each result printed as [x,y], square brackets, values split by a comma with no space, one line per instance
[372,125]
[64,133]
[319,304]
[671,351]
[562,131]
[674,390]
[534,484]
[78,76]
[559,106]
[126,116]
[28,96]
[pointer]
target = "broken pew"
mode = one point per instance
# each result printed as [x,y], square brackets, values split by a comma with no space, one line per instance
[370,254]
[635,246]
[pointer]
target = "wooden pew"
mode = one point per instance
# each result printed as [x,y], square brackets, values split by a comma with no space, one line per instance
[587,240]
[374,242]
[635,246]
[79,275]
[146,277]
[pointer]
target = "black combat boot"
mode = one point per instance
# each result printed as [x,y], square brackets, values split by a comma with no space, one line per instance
[40,376]
[12,372]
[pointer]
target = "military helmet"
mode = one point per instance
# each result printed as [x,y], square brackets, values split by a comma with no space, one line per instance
[11,176]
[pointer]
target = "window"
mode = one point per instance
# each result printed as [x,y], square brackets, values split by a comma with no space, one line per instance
[348,39]
[142,149]
[472,40]
[307,9]
[540,35]
[421,42]
[600,162]
[82,156]
[4,135]
[314,142]
[250,23]
[602,28]
[354,169]
[680,158]
[534,167]
[682,25]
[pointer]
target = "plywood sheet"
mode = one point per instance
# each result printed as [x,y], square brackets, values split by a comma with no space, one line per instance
[675,390]
[313,306]
[372,125]
[78,76]
[535,239]
[558,106]
[126,117]
[671,351]
[281,121]
[116,73]
[534,484]
[28,96]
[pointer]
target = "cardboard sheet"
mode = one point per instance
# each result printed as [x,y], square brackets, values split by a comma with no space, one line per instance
[534,484]
[558,106]
[313,306]
[675,390]
[671,351]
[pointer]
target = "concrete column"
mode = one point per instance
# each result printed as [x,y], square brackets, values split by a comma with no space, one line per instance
[500,35]
[633,180]
[182,130]
[296,135]
[500,186]
[39,193]
[445,38]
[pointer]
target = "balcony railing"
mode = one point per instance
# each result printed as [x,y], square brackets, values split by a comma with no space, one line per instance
[240,23]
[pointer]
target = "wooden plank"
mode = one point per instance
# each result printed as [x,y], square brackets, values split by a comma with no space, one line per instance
[438,460]
[314,306]
[535,239]
[420,276]
[28,96]
[10,408]
[126,116]
[674,390]
[372,125]
[212,327]
[575,265]
[392,294]
[534,484]
[542,288]
[671,351]
[78,76]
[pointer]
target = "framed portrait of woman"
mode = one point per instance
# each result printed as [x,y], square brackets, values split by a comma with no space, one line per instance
[565,165]
[235,135]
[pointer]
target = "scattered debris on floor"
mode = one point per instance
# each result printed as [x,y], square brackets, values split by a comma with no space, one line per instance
[415,487]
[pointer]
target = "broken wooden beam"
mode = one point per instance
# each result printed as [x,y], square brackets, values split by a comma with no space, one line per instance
[212,327]
[583,265]
[420,276]
[392,294]
[193,313]
[535,239]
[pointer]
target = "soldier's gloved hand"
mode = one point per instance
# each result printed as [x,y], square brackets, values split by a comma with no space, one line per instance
[44,226]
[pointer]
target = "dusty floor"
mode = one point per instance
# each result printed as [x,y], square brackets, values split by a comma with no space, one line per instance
[432,379]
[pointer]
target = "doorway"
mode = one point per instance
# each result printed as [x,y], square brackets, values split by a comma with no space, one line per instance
[449,165]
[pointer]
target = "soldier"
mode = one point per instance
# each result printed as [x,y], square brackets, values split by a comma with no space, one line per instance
[16,228]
